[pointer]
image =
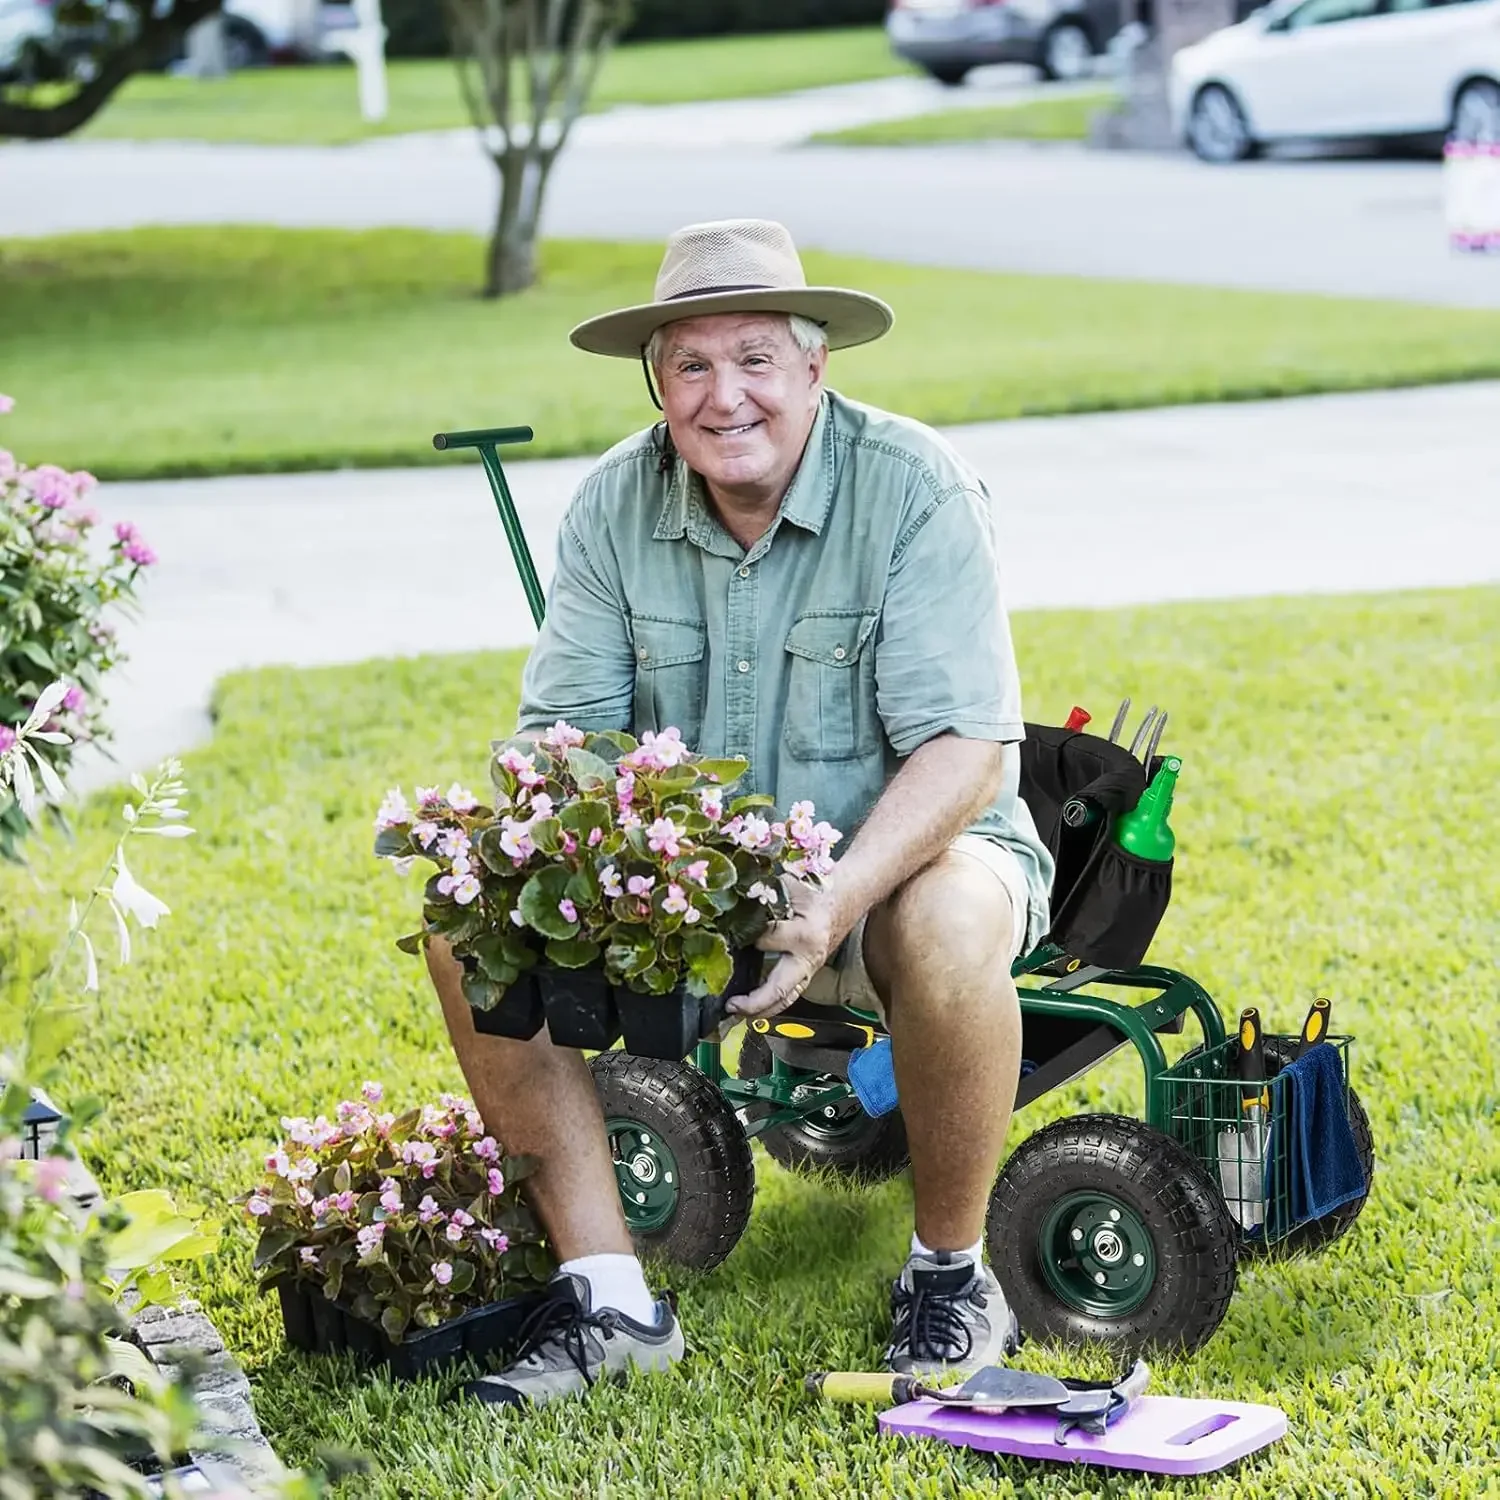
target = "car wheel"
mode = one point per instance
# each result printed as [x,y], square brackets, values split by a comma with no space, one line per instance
[1476,113]
[244,46]
[1217,130]
[1067,52]
[950,75]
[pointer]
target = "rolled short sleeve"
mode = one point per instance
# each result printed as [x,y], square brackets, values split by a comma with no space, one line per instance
[582,666]
[944,659]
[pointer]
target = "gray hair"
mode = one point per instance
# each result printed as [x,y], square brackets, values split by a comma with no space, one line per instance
[808,336]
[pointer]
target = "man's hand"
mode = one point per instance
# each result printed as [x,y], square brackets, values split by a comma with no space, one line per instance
[805,941]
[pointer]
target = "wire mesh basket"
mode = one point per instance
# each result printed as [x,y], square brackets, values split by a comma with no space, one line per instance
[1240,1130]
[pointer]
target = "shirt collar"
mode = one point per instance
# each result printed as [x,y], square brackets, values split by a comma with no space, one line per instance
[685,511]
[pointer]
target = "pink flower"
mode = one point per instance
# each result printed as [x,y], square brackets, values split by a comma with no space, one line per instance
[83,484]
[495,1241]
[662,837]
[259,1205]
[7,738]
[442,1272]
[279,1163]
[453,843]
[675,900]
[52,1177]
[72,700]
[691,915]
[370,1238]
[8,466]
[625,790]
[308,1255]
[394,813]
[461,800]
[711,800]
[428,1212]
[496,1182]
[466,890]
[762,893]
[454,1232]
[488,1149]
[640,885]
[522,767]
[390,1196]
[596,836]
[429,798]
[138,553]
[658,752]
[373,1092]
[570,844]
[630,820]
[7,403]
[424,833]
[540,806]
[304,1197]
[345,1203]
[697,872]
[568,910]
[563,736]
[609,879]
[515,839]
[125,532]
[418,1153]
[755,833]
[472,1122]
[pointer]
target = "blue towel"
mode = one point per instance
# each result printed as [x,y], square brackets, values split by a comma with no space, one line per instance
[1323,1165]
[873,1078]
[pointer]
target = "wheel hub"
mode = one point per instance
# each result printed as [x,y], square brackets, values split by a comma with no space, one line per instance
[1096,1254]
[645,1173]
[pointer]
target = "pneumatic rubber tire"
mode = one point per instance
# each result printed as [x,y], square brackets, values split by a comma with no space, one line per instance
[1067,53]
[861,1147]
[684,1136]
[1107,1196]
[1217,129]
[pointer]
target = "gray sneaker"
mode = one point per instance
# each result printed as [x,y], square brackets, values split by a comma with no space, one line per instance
[949,1317]
[568,1346]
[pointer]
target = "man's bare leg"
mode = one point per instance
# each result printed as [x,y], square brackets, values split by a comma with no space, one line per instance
[539,1100]
[938,954]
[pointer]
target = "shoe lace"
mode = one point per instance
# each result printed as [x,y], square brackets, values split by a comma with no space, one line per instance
[930,1322]
[561,1324]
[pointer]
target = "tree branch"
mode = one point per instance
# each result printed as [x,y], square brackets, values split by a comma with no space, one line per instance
[32,122]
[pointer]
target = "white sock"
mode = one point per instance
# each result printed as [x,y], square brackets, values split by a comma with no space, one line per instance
[975,1252]
[616,1281]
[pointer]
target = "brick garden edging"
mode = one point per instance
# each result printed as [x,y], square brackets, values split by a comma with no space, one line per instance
[222,1390]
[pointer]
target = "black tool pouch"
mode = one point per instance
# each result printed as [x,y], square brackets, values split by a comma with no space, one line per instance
[1106,903]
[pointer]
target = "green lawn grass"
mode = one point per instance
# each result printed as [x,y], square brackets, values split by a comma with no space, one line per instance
[320,105]
[1335,837]
[1065,118]
[193,351]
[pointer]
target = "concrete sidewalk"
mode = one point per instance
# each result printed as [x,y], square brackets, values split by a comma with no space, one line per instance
[1319,495]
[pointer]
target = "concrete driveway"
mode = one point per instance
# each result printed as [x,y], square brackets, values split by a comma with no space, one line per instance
[1320,495]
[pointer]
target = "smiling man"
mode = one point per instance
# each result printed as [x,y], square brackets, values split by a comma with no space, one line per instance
[793,577]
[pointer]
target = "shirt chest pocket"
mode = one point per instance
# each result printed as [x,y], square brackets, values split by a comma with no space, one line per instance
[831,711]
[669,680]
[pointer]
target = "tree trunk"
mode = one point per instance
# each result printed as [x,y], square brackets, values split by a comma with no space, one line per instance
[510,262]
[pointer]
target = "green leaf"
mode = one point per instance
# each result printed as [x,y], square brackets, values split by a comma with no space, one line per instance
[343,1179]
[539,899]
[589,770]
[393,1320]
[725,772]
[412,943]
[391,841]
[582,818]
[744,804]
[721,871]
[463,1278]
[271,1244]
[710,966]
[22,1284]
[493,856]
[610,744]
[34,652]
[546,834]
[572,953]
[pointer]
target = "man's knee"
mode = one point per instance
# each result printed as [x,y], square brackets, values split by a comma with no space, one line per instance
[949,921]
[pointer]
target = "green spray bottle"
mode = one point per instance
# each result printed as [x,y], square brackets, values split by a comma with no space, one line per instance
[1144,831]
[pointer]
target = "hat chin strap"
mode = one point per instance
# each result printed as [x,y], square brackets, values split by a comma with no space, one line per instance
[646,371]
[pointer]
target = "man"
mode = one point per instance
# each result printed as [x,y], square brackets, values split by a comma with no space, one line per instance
[790,576]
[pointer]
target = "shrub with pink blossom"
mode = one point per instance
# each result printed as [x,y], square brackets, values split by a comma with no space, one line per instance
[57,585]
[596,849]
[407,1220]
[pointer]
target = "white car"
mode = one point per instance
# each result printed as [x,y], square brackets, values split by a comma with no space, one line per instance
[1341,69]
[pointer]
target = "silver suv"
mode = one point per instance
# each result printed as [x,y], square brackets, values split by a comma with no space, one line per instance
[949,37]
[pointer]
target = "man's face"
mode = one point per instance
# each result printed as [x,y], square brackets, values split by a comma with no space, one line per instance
[739,397]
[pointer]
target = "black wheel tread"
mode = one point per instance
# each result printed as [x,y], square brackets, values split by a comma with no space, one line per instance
[716,1175]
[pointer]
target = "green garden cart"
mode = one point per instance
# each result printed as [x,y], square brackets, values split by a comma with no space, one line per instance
[1101,1227]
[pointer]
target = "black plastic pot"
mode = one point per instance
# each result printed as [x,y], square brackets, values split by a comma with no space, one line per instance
[315,1325]
[580,1007]
[671,1025]
[518,1015]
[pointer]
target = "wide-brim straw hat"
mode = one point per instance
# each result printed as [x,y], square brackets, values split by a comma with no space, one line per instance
[729,266]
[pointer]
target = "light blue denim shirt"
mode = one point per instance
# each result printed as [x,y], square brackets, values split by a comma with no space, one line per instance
[866,620]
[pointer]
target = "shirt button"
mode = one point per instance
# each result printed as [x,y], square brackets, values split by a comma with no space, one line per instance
[744,572]
[743,666]
[839,653]
[644,654]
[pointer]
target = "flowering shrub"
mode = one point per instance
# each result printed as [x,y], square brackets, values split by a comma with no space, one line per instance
[408,1220]
[55,587]
[600,848]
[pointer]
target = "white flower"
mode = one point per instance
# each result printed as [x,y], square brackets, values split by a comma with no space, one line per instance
[134,898]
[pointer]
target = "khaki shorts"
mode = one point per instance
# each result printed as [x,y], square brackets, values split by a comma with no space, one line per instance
[848,982]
